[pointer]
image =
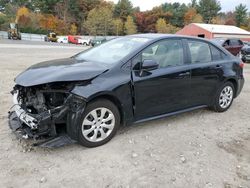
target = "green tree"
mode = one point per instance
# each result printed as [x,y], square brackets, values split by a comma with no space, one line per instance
[46,6]
[3,20]
[99,21]
[177,11]
[208,9]
[79,10]
[130,27]
[161,26]
[193,3]
[123,9]
[240,15]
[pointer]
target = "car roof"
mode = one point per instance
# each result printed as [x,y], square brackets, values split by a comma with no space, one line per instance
[155,36]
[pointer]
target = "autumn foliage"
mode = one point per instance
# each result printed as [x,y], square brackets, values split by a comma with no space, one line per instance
[101,17]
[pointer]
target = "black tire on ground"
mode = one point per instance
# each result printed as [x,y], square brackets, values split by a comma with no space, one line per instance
[100,103]
[216,104]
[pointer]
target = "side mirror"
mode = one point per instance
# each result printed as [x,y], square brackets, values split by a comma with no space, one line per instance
[149,65]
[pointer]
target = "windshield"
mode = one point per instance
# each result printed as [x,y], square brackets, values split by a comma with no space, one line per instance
[112,51]
[12,25]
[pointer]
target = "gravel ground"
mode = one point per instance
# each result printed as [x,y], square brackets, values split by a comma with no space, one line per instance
[196,149]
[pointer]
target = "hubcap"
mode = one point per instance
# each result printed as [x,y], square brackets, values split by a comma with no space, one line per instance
[98,124]
[226,97]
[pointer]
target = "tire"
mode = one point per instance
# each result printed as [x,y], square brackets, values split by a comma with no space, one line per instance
[224,97]
[93,128]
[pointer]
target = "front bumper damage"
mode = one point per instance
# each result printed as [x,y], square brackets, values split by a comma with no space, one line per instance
[43,127]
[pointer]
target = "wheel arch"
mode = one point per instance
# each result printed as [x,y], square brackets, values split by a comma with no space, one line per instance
[235,84]
[112,99]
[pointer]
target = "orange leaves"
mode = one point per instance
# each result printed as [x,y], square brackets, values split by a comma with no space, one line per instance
[22,12]
[52,23]
[192,16]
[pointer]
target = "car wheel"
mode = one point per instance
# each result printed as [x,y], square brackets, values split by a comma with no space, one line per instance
[224,97]
[99,123]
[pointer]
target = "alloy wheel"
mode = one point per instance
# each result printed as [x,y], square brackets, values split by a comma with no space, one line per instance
[226,97]
[98,124]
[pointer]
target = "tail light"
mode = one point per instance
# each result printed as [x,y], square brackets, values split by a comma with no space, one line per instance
[242,64]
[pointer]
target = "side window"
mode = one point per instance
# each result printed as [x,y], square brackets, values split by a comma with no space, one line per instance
[217,54]
[200,52]
[165,53]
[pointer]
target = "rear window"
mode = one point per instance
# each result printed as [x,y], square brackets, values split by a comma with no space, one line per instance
[235,42]
[200,52]
[217,54]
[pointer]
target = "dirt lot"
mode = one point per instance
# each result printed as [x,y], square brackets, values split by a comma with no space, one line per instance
[196,149]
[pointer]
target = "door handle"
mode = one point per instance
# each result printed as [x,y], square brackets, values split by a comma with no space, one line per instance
[218,66]
[184,74]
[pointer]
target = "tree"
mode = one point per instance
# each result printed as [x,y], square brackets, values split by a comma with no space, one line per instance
[208,9]
[193,3]
[99,21]
[79,10]
[191,16]
[123,9]
[130,27]
[3,20]
[73,29]
[197,19]
[177,10]
[240,15]
[118,27]
[217,20]
[22,12]
[46,6]
[146,20]
[161,26]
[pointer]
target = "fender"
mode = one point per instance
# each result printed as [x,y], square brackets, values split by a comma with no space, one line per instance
[116,88]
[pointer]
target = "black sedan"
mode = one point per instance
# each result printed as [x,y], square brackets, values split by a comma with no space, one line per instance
[127,80]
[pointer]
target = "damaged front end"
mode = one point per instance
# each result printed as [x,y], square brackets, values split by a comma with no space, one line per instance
[49,113]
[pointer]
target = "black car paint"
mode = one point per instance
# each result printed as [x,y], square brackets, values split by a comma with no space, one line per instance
[60,70]
[140,96]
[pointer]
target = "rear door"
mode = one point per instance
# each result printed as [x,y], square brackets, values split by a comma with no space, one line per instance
[165,89]
[206,64]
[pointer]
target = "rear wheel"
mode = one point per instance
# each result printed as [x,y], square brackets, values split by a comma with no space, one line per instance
[224,97]
[99,123]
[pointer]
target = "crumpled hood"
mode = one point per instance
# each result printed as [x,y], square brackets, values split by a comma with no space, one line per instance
[59,70]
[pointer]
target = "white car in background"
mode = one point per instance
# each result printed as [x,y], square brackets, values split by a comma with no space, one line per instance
[62,40]
[84,41]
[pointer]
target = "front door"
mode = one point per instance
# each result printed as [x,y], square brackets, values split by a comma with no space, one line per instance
[165,89]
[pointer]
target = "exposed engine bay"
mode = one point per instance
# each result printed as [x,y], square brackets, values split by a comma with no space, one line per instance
[44,112]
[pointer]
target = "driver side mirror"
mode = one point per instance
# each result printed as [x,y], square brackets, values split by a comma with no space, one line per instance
[149,65]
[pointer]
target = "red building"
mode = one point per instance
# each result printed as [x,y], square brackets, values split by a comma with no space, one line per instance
[210,31]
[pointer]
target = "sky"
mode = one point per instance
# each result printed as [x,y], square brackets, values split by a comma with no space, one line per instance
[226,5]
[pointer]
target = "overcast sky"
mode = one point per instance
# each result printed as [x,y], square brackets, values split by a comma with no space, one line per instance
[226,5]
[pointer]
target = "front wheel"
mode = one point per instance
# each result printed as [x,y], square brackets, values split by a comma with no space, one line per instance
[99,123]
[224,97]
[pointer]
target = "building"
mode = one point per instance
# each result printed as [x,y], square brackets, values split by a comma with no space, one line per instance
[210,31]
